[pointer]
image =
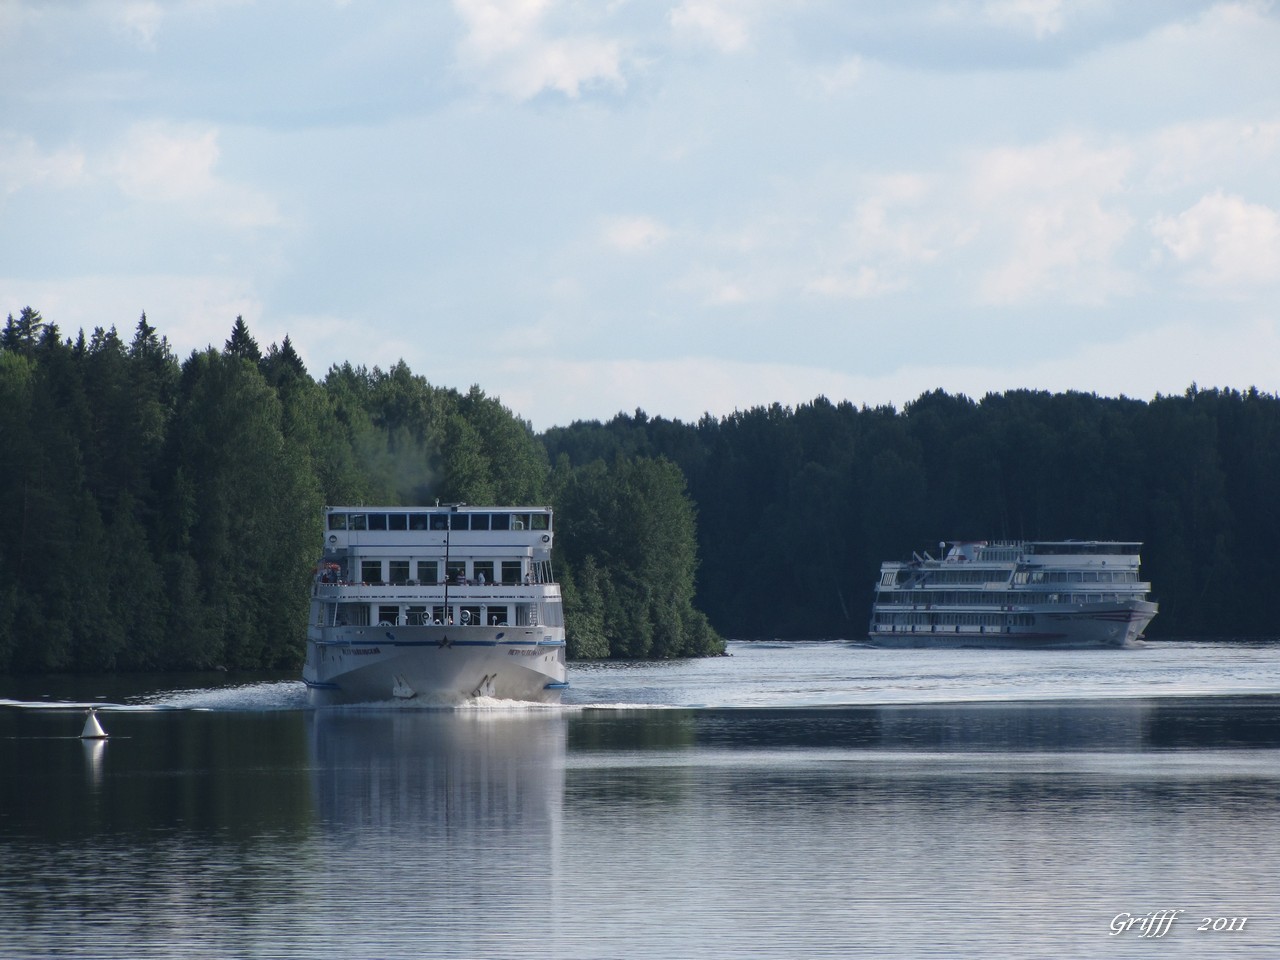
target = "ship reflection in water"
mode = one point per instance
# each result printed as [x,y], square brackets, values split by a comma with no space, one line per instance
[438,773]
[639,830]
[438,827]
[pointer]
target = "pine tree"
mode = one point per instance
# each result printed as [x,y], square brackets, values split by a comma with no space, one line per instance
[241,344]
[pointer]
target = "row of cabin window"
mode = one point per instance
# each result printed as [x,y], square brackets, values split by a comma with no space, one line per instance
[359,615]
[439,521]
[953,598]
[1077,576]
[973,575]
[428,571]
[501,615]
[414,616]
[955,619]
[1084,549]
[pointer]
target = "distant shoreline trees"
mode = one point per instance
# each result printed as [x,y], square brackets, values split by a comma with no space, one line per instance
[798,507]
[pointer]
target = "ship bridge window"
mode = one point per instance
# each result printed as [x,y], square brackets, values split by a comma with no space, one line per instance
[337,521]
[439,521]
[356,521]
[397,521]
[377,521]
[500,521]
[418,521]
[519,521]
[539,521]
[458,521]
[479,521]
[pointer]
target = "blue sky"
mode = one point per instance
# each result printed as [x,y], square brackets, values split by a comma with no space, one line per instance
[688,206]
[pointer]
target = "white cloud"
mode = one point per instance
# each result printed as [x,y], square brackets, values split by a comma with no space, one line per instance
[718,287]
[896,224]
[1224,242]
[1186,154]
[158,163]
[139,19]
[722,23]
[508,47]
[1054,210]
[856,283]
[842,77]
[635,234]
[23,164]
[679,388]
[1164,360]
[1041,17]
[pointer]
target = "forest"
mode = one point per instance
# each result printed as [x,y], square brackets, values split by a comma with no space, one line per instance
[158,514]
[798,507]
[166,515]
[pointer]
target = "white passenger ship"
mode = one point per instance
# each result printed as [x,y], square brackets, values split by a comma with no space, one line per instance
[1036,593]
[440,603]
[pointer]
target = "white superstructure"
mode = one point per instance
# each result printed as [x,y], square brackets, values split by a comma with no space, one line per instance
[440,603]
[1033,593]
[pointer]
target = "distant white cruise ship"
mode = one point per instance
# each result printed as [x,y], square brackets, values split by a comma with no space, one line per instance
[442,603]
[1034,593]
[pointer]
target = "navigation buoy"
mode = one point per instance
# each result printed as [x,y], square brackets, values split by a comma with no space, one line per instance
[92,728]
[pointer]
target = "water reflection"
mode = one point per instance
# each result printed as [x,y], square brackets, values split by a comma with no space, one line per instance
[936,830]
[1121,725]
[93,754]
[437,773]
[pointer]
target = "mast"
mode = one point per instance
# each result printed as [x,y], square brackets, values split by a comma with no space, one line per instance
[448,529]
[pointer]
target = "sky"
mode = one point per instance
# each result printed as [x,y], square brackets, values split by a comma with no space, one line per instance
[678,206]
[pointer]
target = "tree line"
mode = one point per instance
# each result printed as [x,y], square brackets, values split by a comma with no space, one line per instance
[797,507]
[157,514]
[161,515]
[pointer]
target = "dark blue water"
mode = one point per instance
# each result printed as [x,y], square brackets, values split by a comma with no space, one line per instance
[815,800]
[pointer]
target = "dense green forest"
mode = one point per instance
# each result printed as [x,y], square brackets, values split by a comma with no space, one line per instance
[157,514]
[798,507]
[160,515]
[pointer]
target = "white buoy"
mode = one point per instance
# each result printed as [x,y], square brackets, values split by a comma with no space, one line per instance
[92,728]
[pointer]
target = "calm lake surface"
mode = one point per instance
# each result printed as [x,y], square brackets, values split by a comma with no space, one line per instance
[791,800]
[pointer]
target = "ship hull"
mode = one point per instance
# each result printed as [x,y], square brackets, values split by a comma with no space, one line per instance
[1080,626]
[434,664]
